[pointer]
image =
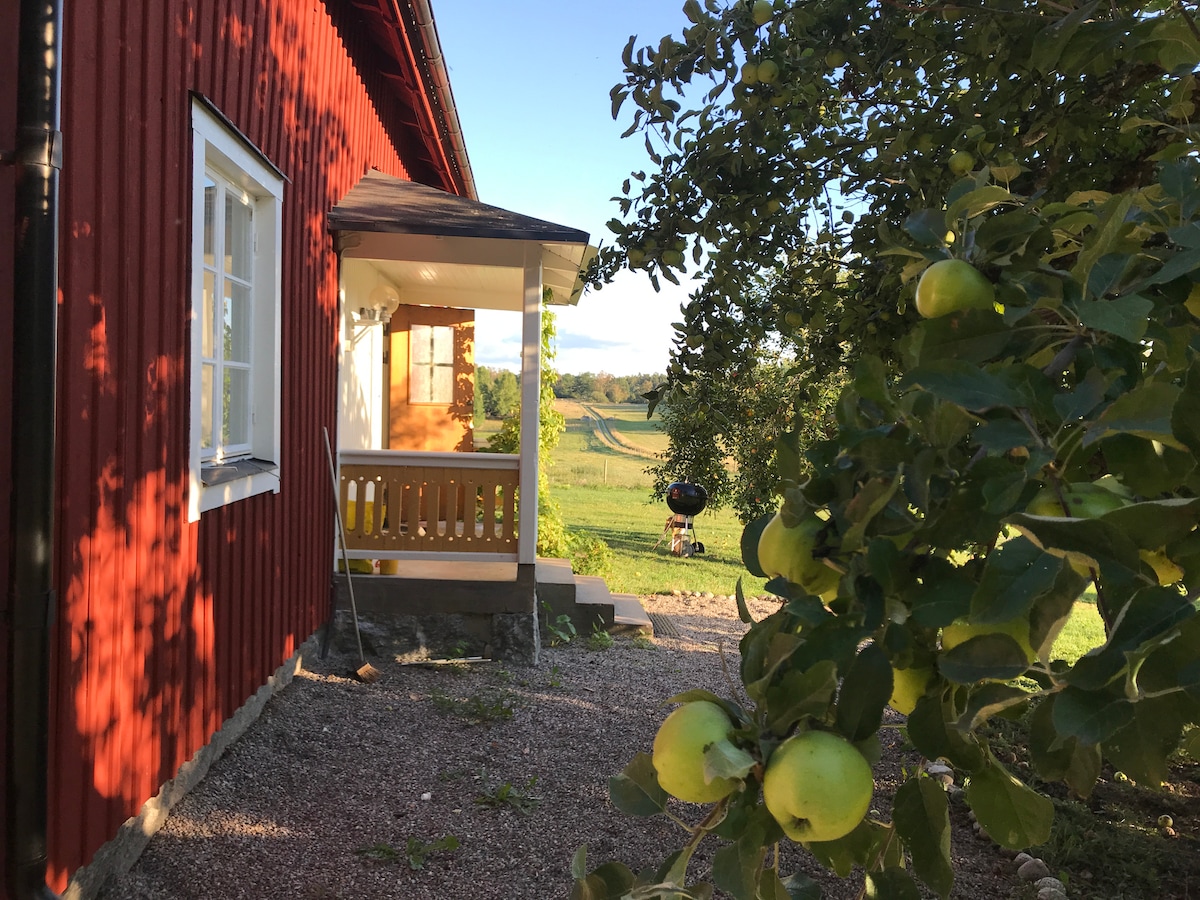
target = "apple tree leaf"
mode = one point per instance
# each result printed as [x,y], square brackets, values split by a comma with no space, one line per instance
[800,694]
[985,656]
[1126,317]
[1155,523]
[610,881]
[1144,411]
[749,544]
[864,694]
[1185,417]
[736,866]
[1140,749]
[1058,758]
[723,759]
[893,883]
[1149,619]
[922,819]
[1015,815]
[944,595]
[742,608]
[636,791]
[1090,541]
[1090,716]
[928,731]
[798,886]
[1016,574]
[988,701]
[963,384]
[927,226]
[860,847]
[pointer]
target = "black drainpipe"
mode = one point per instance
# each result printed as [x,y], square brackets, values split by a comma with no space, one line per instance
[37,158]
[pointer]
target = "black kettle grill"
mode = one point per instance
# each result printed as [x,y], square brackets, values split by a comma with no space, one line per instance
[685,500]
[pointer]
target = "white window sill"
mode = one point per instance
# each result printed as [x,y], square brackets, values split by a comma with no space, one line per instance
[230,483]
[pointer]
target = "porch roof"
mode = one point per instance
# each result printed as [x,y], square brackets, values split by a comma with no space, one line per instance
[445,250]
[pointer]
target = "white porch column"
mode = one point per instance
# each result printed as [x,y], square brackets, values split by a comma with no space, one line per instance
[531,373]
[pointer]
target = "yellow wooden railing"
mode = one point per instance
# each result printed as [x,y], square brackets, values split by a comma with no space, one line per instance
[397,504]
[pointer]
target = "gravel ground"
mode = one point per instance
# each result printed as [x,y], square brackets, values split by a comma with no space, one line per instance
[338,781]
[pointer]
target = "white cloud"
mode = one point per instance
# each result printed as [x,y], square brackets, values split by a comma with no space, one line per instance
[624,329]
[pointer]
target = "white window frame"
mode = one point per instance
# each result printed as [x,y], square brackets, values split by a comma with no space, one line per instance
[217,480]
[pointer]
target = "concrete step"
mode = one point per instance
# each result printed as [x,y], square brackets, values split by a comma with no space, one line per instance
[629,617]
[586,601]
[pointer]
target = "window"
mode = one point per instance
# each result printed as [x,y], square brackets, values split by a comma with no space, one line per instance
[431,364]
[235,379]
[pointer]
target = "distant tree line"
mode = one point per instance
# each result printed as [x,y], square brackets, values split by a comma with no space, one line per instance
[498,391]
[601,387]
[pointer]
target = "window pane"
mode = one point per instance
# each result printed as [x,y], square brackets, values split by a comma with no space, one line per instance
[236,427]
[443,384]
[239,245]
[419,343]
[419,384]
[443,345]
[236,325]
[210,203]
[208,313]
[206,406]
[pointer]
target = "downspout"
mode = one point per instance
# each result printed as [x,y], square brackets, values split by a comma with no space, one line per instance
[37,158]
[441,87]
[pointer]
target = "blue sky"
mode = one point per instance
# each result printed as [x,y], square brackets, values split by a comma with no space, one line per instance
[531,81]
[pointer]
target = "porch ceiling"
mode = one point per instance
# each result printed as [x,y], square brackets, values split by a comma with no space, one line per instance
[444,250]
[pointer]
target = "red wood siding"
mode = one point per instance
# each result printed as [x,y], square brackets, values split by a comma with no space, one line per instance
[165,628]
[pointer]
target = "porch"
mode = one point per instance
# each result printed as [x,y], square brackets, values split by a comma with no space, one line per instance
[435,546]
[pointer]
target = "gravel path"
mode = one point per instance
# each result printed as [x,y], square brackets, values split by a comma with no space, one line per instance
[468,781]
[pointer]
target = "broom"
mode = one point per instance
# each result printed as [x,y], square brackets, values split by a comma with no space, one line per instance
[366,673]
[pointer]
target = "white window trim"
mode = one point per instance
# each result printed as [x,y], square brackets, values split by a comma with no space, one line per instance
[214,144]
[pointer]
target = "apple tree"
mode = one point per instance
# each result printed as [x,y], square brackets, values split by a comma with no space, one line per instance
[738,415]
[835,151]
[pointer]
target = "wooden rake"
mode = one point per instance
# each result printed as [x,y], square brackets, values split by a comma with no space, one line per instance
[365,673]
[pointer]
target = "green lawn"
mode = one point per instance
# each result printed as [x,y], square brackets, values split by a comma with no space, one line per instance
[582,461]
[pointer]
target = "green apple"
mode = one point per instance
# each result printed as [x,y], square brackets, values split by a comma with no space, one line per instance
[961,631]
[785,552]
[908,686]
[678,753]
[950,285]
[817,786]
[749,73]
[768,71]
[762,12]
[835,58]
[961,162]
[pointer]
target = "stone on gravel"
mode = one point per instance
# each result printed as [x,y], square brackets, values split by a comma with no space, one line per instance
[1032,870]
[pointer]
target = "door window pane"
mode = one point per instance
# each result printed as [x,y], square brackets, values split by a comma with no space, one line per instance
[431,366]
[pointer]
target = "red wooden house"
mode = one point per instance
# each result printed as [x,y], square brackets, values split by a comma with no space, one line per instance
[227,197]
